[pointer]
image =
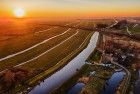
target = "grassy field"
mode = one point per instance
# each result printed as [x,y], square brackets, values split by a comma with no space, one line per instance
[23,42]
[60,64]
[52,57]
[30,54]
[20,27]
[96,83]
[55,59]
[95,56]
[46,58]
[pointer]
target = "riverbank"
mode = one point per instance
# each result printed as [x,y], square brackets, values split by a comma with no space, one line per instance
[96,81]
[101,74]
[60,64]
[61,76]
[36,80]
[66,86]
[109,77]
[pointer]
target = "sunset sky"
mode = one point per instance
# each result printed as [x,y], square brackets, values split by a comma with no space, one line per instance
[71,8]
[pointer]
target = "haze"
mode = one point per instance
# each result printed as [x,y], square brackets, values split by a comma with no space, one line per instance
[71,8]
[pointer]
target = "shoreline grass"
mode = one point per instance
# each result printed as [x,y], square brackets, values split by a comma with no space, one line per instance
[34,81]
[61,63]
[83,72]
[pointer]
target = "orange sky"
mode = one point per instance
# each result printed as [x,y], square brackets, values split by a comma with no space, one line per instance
[71,8]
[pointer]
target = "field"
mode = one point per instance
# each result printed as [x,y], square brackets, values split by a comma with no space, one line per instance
[38,46]
[25,41]
[33,49]
[41,47]
[53,56]
[34,52]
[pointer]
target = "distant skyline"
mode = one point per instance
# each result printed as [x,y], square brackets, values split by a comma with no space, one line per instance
[71,8]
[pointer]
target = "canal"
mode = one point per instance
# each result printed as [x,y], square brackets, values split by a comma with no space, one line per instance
[61,76]
[112,83]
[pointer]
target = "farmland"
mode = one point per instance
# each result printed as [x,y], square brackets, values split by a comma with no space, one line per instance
[35,50]
[51,57]
[32,53]
[40,46]
[23,42]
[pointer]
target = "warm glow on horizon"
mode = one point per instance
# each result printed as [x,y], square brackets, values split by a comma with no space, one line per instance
[19,13]
[69,8]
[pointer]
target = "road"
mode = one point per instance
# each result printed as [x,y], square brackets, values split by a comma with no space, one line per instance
[116,22]
[128,74]
[127,80]
[129,32]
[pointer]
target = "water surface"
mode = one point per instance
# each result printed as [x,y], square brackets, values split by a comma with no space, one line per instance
[61,76]
[112,83]
[76,88]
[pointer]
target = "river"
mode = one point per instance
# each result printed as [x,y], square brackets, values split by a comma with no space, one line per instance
[76,88]
[112,83]
[61,76]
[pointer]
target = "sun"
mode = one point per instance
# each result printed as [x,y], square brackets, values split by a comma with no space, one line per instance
[19,12]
